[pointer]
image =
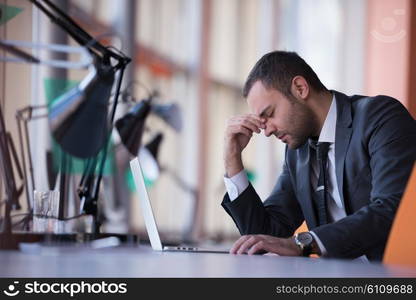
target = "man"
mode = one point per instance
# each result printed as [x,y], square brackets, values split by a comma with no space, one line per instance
[347,161]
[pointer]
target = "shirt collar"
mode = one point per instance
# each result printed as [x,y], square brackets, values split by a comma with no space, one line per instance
[328,129]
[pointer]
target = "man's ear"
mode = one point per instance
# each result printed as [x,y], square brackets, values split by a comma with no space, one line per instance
[300,88]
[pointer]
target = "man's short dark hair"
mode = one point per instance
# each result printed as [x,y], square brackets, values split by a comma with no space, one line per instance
[277,69]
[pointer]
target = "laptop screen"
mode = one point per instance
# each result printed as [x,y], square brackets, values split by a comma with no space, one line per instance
[145,205]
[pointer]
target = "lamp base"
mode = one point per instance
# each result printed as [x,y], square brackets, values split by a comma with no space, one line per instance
[7,242]
[11,241]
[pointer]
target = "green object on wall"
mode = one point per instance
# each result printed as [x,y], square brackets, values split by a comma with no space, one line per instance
[251,175]
[54,88]
[130,181]
[8,12]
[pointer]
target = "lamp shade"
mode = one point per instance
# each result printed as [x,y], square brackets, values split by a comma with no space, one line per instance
[79,118]
[131,126]
[169,113]
[154,145]
[148,159]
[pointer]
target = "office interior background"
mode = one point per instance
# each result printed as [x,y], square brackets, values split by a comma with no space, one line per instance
[195,54]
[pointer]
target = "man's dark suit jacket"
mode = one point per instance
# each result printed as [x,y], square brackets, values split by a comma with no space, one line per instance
[375,149]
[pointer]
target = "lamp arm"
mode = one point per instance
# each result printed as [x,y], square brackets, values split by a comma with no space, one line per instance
[7,175]
[59,17]
[105,150]
[86,58]
[22,153]
[26,57]
[14,155]
[23,116]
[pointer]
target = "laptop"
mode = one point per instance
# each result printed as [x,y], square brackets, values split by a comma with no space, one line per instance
[149,218]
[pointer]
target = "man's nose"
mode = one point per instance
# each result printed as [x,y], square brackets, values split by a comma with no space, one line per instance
[269,130]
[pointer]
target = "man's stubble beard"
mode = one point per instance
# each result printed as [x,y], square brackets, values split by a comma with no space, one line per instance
[303,124]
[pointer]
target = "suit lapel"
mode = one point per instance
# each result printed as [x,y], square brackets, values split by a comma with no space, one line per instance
[342,137]
[304,185]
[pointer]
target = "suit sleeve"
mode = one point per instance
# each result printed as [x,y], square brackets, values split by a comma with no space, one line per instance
[390,140]
[280,214]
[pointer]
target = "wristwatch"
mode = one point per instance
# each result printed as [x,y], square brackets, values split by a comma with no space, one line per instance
[304,241]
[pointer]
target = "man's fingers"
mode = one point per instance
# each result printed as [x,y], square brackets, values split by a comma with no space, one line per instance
[261,246]
[244,123]
[245,131]
[247,245]
[238,243]
[251,125]
[257,120]
[250,121]
[239,129]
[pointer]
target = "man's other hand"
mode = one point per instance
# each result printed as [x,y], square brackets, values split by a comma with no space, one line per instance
[259,243]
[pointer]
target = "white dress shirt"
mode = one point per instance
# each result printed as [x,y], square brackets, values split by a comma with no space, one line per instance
[239,182]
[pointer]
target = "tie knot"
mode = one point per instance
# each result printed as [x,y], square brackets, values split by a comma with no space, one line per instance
[322,150]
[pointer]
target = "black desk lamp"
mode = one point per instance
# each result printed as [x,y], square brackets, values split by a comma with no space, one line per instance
[170,113]
[79,119]
[148,156]
[132,125]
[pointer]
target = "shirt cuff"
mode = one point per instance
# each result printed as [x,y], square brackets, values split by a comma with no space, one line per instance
[236,184]
[319,243]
